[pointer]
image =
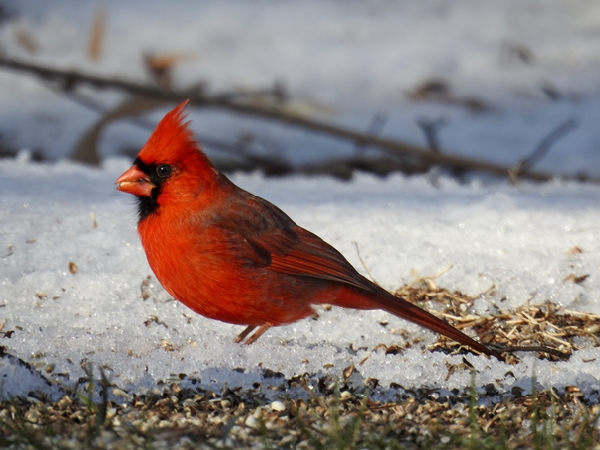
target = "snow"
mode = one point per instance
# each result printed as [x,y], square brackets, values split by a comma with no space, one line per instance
[356,59]
[514,238]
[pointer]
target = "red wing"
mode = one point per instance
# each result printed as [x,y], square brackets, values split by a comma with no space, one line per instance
[276,242]
[313,257]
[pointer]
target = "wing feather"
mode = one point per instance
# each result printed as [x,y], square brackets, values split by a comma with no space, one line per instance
[277,243]
[313,257]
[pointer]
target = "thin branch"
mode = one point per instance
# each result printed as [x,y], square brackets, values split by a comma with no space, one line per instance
[558,133]
[69,79]
[542,148]
[373,129]
[139,122]
[265,163]
[272,166]
[430,129]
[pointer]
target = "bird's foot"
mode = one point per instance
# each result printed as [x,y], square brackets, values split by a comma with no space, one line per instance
[261,330]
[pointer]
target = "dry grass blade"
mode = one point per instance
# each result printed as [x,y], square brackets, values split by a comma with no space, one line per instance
[425,280]
[97,34]
[318,411]
[363,263]
[542,328]
[332,418]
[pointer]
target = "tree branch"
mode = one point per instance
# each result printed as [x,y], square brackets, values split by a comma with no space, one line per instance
[69,79]
[541,149]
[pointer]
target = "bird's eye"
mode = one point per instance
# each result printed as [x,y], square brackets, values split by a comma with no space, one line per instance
[164,170]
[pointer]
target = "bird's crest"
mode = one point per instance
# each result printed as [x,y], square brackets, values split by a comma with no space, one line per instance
[172,140]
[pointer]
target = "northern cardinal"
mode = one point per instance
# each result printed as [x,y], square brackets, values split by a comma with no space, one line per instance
[232,256]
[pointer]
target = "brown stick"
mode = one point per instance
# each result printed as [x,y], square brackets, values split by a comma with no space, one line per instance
[541,149]
[70,78]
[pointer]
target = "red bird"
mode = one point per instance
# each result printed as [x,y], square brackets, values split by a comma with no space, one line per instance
[232,256]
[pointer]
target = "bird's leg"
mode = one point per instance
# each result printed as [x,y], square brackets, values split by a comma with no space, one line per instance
[264,327]
[240,337]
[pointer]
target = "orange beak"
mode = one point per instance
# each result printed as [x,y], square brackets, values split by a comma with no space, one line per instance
[135,182]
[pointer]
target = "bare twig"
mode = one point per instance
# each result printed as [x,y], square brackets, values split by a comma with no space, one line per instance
[132,106]
[129,110]
[69,79]
[542,148]
[430,129]
[345,167]
[340,167]
[374,129]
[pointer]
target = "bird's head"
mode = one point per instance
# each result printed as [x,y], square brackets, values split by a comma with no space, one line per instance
[170,168]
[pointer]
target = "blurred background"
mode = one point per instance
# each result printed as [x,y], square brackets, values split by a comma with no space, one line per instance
[496,81]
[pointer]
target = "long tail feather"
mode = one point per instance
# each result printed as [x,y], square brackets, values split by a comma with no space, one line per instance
[406,310]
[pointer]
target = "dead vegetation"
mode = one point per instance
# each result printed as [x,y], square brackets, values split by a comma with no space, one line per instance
[329,416]
[309,412]
[546,329]
[319,411]
[273,105]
